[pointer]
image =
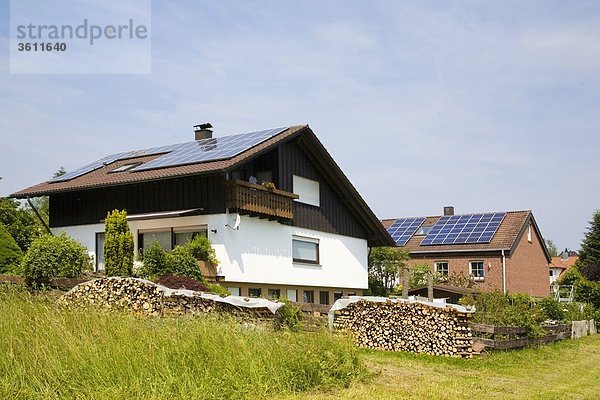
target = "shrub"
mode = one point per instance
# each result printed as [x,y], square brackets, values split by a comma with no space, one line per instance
[10,252]
[218,289]
[155,261]
[182,282]
[290,315]
[201,248]
[181,261]
[552,308]
[571,276]
[54,256]
[118,245]
[587,292]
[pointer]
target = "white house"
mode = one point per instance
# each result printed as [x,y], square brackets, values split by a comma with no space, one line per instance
[304,235]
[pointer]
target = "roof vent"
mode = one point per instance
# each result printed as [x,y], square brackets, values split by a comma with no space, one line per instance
[449,210]
[203,131]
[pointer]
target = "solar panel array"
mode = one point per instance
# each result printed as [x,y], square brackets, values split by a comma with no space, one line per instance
[403,229]
[462,229]
[210,149]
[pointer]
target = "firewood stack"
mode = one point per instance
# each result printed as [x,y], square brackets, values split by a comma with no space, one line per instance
[148,298]
[407,326]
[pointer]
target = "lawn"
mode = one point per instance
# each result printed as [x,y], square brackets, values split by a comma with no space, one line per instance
[566,370]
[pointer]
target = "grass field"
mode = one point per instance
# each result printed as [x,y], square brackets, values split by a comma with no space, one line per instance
[566,370]
[49,353]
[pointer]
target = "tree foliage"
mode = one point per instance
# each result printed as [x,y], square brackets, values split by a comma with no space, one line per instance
[552,249]
[385,266]
[20,223]
[54,256]
[118,245]
[589,256]
[10,252]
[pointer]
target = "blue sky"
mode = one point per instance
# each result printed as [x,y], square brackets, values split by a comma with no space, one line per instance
[482,105]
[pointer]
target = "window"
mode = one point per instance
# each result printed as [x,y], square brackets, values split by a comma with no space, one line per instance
[292,295]
[424,230]
[273,293]
[305,250]
[307,189]
[100,236]
[125,167]
[168,238]
[235,291]
[309,296]
[476,270]
[529,233]
[254,292]
[441,267]
[351,293]
[337,296]
[324,298]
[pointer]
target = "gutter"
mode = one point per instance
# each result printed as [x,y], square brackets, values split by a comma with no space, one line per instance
[455,251]
[504,273]
[39,216]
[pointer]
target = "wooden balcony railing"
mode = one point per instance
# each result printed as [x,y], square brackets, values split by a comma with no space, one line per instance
[253,199]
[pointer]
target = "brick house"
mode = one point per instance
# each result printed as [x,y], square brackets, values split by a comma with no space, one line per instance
[304,234]
[510,257]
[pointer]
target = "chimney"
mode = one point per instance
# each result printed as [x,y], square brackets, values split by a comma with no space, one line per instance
[449,210]
[203,131]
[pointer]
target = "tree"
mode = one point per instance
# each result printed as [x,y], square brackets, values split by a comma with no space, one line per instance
[23,226]
[552,249]
[118,245]
[10,252]
[385,265]
[589,256]
[42,204]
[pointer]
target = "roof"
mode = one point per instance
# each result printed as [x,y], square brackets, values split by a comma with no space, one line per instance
[562,263]
[102,177]
[505,238]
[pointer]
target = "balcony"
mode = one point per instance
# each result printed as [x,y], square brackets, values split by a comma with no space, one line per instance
[256,200]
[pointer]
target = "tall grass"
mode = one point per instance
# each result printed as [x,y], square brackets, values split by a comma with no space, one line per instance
[52,353]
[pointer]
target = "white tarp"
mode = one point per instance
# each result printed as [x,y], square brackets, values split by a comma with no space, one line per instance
[439,303]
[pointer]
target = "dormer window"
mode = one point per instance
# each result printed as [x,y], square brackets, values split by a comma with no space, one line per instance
[126,167]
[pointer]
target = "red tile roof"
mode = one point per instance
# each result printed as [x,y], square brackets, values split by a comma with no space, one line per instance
[504,238]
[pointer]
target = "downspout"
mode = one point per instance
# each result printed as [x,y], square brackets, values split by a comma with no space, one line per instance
[39,216]
[503,273]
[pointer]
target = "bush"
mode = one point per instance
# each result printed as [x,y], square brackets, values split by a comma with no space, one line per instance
[218,289]
[587,292]
[54,256]
[290,315]
[118,245]
[571,276]
[182,282]
[201,248]
[155,261]
[10,252]
[181,261]
[552,308]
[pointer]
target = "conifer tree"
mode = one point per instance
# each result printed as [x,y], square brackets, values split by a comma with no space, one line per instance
[118,245]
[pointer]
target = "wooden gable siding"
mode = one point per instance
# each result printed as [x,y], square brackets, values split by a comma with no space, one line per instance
[333,215]
[91,206]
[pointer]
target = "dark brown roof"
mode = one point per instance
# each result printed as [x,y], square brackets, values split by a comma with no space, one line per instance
[505,237]
[102,177]
[446,288]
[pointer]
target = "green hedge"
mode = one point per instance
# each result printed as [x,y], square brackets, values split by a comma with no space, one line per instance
[10,252]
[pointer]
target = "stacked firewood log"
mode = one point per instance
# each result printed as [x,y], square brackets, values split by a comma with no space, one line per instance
[407,326]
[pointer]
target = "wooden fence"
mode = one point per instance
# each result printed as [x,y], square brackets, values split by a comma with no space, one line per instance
[509,337]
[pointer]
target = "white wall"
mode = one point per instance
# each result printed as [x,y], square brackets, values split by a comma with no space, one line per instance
[260,251]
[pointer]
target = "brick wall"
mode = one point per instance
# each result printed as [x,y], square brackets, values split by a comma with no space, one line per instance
[527,269]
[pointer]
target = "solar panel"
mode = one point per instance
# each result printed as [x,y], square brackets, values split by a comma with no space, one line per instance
[210,149]
[462,229]
[403,229]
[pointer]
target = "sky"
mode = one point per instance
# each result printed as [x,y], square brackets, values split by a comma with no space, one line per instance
[486,106]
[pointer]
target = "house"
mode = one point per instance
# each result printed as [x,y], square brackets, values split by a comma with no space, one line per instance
[304,234]
[501,251]
[561,264]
